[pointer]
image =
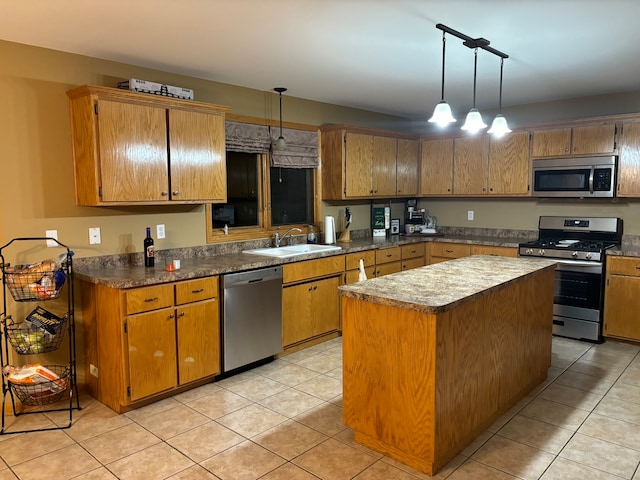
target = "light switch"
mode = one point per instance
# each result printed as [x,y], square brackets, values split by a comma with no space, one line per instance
[160,231]
[51,234]
[470,215]
[94,236]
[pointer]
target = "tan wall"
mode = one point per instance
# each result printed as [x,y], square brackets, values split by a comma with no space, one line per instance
[37,179]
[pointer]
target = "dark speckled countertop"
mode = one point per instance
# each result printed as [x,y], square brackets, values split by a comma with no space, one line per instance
[110,273]
[443,286]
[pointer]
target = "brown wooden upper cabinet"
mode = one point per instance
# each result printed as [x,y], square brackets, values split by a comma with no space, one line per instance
[629,160]
[470,165]
[135,148]
[576,141]
[509,164]
[436,167]
[359,164]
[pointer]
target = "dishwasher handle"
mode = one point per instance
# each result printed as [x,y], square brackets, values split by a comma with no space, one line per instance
[253,276]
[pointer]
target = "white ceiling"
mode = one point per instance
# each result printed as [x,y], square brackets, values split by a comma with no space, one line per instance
[380,55]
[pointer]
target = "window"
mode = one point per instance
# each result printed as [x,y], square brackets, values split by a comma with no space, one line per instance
[261,197]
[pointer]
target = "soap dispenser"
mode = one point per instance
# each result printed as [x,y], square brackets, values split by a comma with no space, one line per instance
[311,236]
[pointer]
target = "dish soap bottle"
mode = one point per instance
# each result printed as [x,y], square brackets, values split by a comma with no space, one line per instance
[148,249]
[311,236]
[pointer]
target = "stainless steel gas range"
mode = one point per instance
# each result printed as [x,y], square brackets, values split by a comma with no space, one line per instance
[579,245]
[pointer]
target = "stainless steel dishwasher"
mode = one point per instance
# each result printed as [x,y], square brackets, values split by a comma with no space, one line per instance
[252,316]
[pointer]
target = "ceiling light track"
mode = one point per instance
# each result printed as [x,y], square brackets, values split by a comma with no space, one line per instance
[482,43]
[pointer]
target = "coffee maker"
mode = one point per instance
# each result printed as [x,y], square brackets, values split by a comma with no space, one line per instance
[412,214]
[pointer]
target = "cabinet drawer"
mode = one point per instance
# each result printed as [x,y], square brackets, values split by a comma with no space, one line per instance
[352,276]
[450,250]
[413,251]
[387,255]
[195,290]
[321,267]
[388,268]
[352,260]
[149,298]
[623,266]
[489,250]
[412,263]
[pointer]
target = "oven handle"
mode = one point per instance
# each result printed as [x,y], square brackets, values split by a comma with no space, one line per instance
[579,266]
[591,173]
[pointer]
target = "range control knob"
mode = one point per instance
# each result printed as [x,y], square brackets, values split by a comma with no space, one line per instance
[588,256]
[529,251]
[574,254]
[541,252]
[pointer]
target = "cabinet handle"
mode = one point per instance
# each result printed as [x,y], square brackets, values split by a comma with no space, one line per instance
[389,255]
[171,315]
[449,251]
[315,287]
[310,288]
[175,192]
[149,300]
[200,290]
[412,251]
[637,267]
[181,314]
[164,194]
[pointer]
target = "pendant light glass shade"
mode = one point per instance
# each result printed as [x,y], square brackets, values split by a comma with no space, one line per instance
[473,122]
[281,143]
[442,113]
[499,126]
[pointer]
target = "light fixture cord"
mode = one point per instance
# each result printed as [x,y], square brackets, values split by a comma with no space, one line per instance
[500,97]
[475,69]
[444,43]
[281,115]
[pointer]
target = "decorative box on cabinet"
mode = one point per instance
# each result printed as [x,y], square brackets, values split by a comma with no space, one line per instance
[133,148]
[148,342]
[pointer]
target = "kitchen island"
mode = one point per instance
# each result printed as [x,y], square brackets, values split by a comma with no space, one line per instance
[433,356]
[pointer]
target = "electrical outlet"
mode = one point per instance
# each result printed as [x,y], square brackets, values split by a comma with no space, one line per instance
[93,370]
[160,231]
[94,236]
[51,234]
[470,215]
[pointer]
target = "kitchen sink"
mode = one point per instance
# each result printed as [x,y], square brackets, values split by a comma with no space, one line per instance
[293,250]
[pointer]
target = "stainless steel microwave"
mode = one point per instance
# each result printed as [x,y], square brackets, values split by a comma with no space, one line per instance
[589,177]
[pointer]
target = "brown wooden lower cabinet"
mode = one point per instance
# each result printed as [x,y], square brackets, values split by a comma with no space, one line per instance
[145,342]
[310,305]
[622,298]
[443,251]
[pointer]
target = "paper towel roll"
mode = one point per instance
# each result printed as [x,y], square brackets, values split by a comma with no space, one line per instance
[329,230]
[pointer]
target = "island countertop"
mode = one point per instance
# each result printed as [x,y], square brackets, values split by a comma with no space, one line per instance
[446,285]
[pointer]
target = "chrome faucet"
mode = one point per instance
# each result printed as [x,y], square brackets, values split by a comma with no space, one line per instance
[279,238]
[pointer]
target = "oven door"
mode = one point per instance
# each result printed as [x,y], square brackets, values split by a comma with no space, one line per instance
[577,299]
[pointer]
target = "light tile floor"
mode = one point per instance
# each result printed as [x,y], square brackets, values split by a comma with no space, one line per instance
[283,421]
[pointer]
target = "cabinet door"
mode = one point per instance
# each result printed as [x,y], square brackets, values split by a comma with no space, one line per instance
[509,165]
[552,143]
[326,306]
[621,307]
[407,160]
[133,152]
[629,161]
[357,164]
[592,139]
[198,341]
[412,263]
[384,166]
[471,165]
[436,167]
[297,313]
[151,341]
[388,268]
[197,156]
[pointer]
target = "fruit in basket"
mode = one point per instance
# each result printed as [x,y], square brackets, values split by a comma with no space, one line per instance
[29,342]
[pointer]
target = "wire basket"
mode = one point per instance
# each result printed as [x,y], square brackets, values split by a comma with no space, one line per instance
[43,393]
[28,339]
[40,281]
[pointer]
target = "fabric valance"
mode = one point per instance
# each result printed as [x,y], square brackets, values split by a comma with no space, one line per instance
[301,150]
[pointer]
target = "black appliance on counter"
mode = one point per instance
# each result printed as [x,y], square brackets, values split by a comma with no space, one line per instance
[579,245]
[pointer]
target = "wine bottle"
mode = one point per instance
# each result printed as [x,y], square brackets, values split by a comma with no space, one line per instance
[148,249]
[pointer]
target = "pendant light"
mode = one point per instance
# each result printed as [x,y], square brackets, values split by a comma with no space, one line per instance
[281,143]
[473,122]
[499,126]
[442,113]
